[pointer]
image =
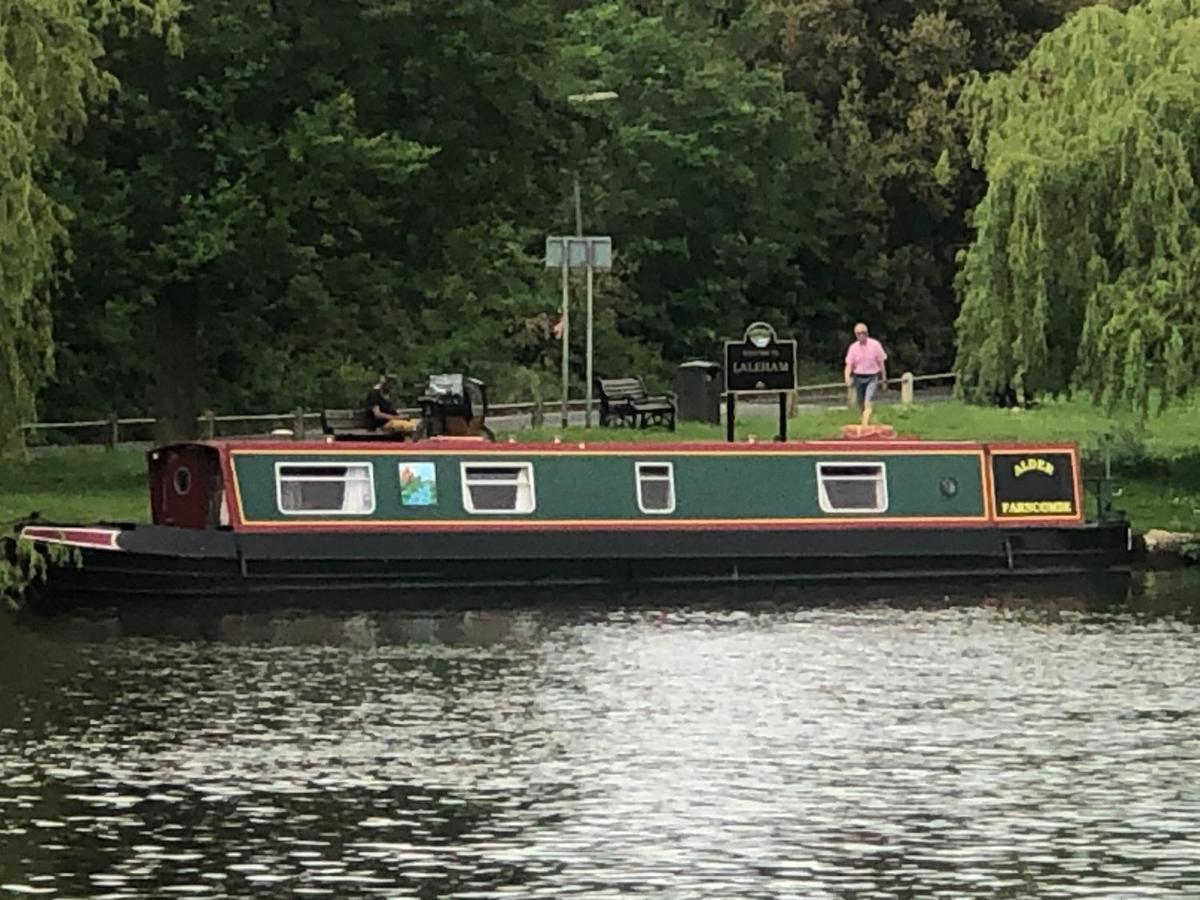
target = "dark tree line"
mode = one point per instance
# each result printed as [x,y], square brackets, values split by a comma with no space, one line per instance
[293,195]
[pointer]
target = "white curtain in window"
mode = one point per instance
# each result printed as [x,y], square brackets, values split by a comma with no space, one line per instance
[291,495]
[359,494]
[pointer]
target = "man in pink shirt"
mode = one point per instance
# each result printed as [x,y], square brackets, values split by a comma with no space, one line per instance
[865,368]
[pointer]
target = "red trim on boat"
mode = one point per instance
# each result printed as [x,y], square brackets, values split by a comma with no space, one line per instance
[92,538]
[233,491]
[450,445]
[1011,446]
[799,527]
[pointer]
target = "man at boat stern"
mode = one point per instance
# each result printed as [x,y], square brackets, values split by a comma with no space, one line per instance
[866,369]
[382,414]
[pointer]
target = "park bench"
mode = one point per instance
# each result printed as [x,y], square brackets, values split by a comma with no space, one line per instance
[625,401]
[351,425]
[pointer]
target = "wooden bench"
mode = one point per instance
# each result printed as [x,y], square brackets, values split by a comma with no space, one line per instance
[626,401]
[351,425]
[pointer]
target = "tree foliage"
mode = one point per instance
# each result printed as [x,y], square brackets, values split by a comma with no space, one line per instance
[1086,266]
[278,224]
[709,175]
[298,194]
[49,74]
[251,209]
[886,77]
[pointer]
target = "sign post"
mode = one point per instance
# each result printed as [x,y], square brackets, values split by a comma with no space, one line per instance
[759,363]
[566,344]
[583,252]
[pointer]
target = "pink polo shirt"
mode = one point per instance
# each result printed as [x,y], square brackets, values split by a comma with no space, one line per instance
[865,359]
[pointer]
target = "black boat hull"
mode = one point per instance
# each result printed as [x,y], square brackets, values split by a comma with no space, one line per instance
[204,569]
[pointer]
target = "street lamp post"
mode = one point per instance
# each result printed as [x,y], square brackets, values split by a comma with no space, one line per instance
[592,97]
[589,252]
[566,337]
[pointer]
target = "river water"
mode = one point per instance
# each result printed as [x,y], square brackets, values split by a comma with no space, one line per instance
[996,748]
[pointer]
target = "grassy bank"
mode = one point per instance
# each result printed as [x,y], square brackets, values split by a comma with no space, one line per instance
[1173,435]
[1159,465]
[82,484]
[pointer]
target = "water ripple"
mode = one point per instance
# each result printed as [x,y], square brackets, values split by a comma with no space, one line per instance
[868,752]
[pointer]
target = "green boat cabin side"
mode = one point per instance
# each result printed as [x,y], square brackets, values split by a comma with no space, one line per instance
[408,484]
[605,486]
[246,485]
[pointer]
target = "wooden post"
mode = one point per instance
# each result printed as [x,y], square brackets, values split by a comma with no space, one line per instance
[298,423]
[210,424]
[793,403]
[906,389]
[114,431]
[537,416]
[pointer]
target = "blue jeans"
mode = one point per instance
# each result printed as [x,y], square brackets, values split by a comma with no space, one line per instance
[865,386]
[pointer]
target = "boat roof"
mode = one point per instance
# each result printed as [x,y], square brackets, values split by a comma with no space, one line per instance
[469,445]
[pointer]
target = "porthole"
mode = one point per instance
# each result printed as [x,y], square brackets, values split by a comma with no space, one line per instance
[949,487]
[183,481]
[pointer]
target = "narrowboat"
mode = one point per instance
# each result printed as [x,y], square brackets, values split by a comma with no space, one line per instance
[286,522]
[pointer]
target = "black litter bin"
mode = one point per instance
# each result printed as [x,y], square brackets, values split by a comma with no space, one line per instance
[698,387]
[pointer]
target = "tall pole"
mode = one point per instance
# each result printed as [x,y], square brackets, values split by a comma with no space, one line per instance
[566,334]
[587,418]
[591,97]
[578,208]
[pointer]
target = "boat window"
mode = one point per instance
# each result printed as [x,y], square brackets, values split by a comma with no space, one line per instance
[498,487]
[328,488]
[852,487]
[656,487]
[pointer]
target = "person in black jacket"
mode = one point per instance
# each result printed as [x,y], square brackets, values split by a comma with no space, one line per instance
[381,413]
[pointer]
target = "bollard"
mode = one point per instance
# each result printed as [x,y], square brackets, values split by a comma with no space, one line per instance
[906,389]
[210,424]
[298,423]
[114,431]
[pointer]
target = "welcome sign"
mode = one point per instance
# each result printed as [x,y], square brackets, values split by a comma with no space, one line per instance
[760,362]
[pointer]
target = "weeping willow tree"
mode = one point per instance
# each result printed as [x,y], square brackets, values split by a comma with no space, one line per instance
[49,73]
[1085,270]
